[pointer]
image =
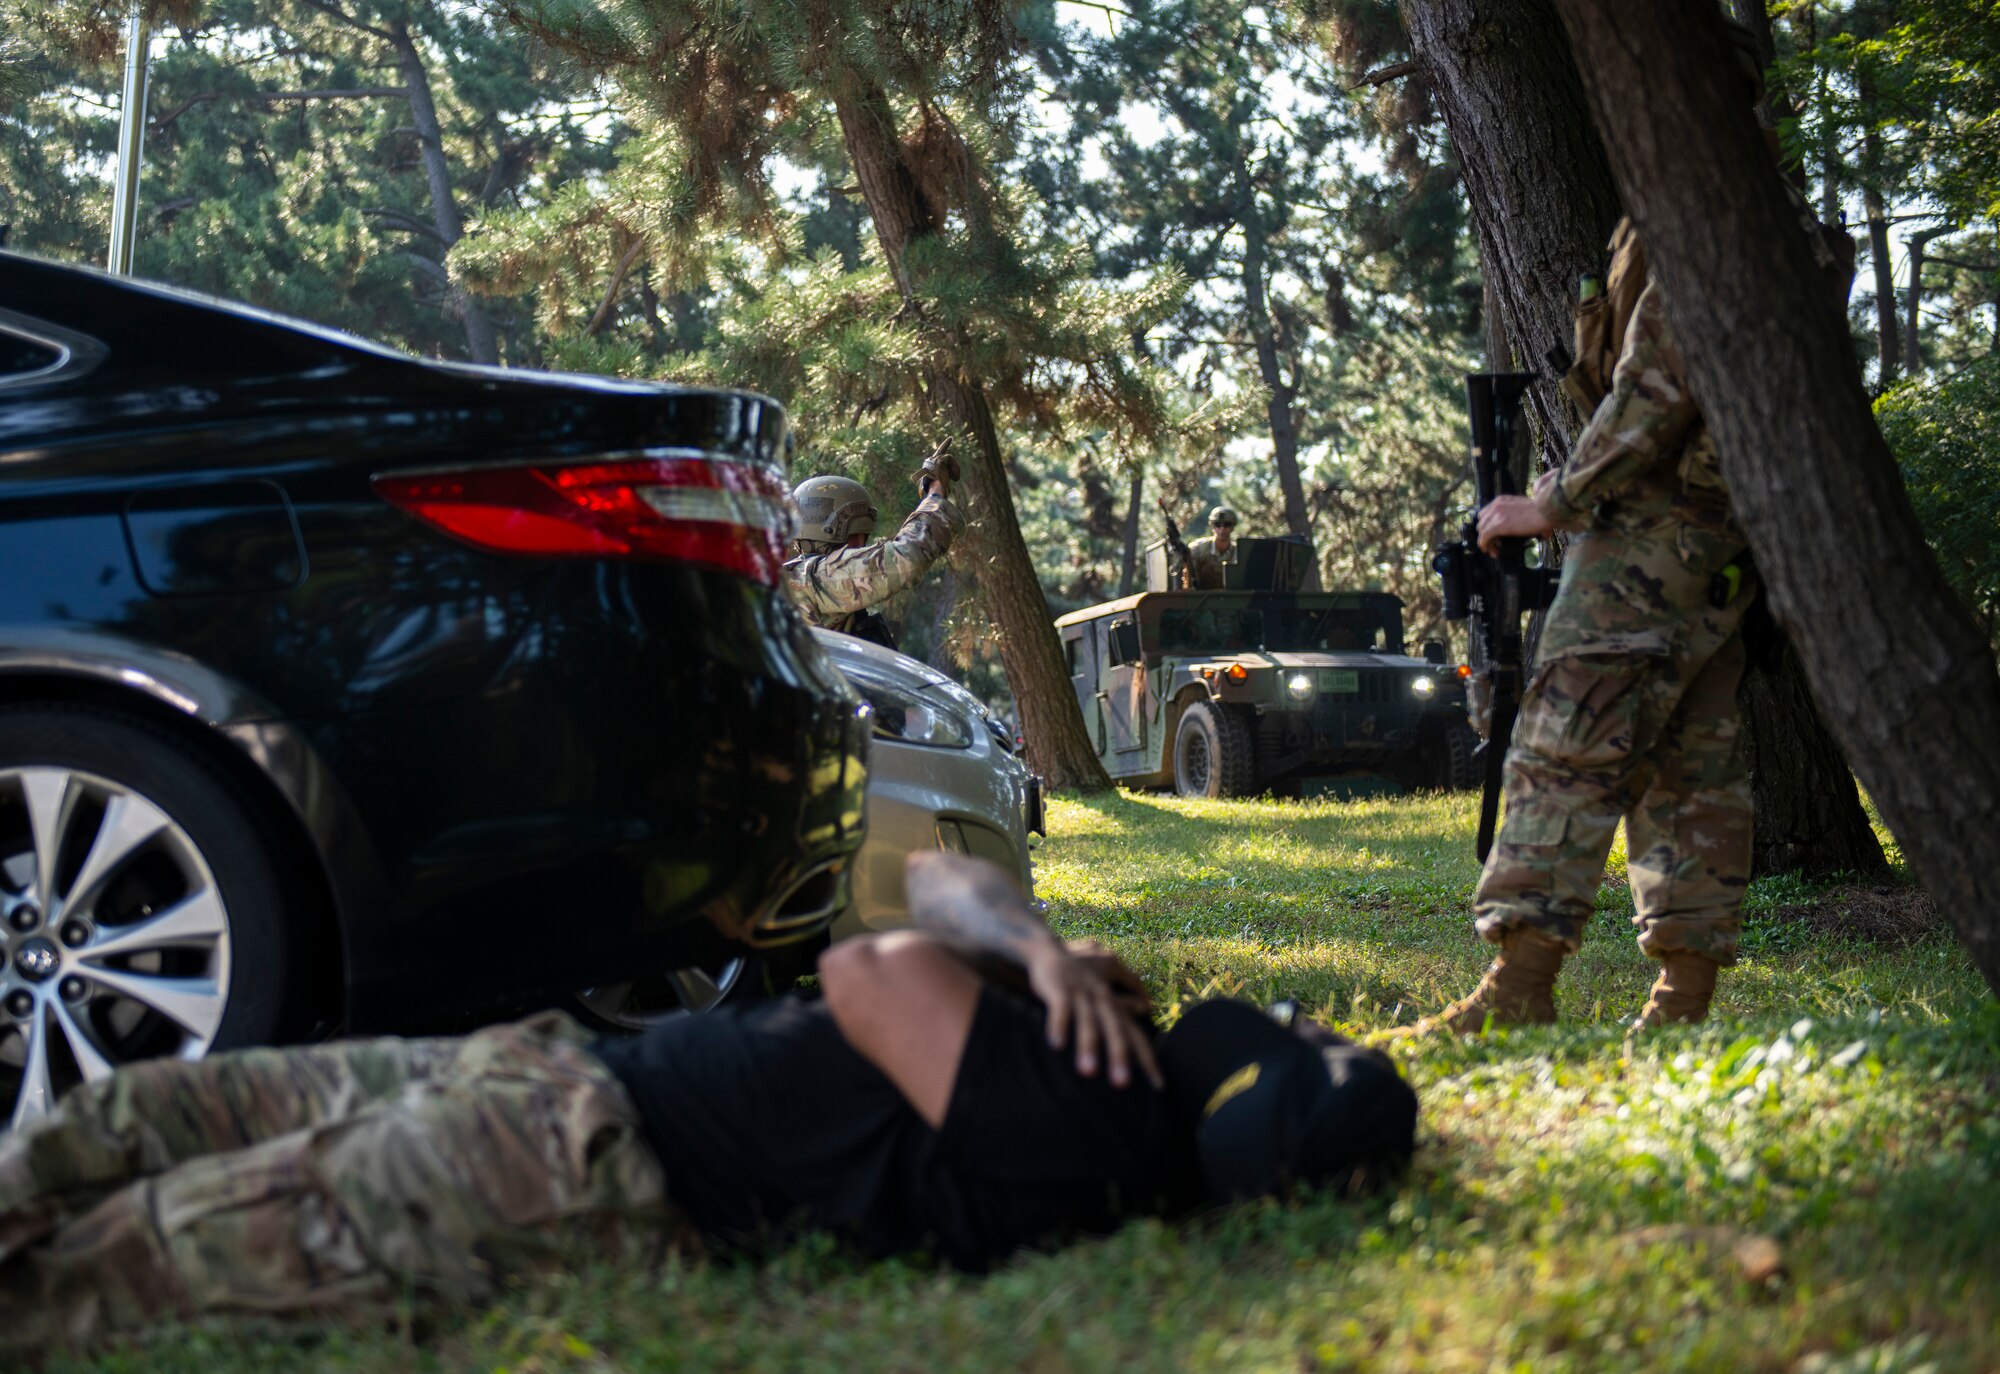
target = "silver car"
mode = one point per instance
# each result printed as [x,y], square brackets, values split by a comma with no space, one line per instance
[942,774]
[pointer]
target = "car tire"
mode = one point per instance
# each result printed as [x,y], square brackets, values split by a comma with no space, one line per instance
[1214,754]
[142,904]
[628,1008]
[1454,758]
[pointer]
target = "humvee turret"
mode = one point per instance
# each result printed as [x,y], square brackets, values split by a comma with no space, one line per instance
[1227,693]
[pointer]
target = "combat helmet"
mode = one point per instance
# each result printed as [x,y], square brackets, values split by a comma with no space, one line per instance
[1222,515]
[832,510]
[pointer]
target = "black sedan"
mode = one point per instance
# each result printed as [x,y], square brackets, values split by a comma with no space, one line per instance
[339,688]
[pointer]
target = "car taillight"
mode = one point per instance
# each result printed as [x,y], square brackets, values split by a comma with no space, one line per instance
[712,512]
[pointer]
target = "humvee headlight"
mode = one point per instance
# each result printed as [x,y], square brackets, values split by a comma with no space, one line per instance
[1300,686]
[1423,686]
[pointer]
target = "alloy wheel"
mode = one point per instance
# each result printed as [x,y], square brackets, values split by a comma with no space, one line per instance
[114,935]
[647,1002]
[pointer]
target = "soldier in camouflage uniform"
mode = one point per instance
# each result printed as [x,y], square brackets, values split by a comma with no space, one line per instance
[345,1176]
[1208,557]
[1632,708]
[835,576]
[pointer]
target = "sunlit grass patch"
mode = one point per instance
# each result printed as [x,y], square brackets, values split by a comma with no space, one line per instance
[1809,1184]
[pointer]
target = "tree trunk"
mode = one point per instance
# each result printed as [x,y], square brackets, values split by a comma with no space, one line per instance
[1802,768]
[1057,745]
[1896,663]
[1499,355]
[1805,22]
[1753,15]
[1808,812]
[479,343]
[445,213]
[1913,344]
[1888,353]
[1128,571]
[1540,187]
[1284,427]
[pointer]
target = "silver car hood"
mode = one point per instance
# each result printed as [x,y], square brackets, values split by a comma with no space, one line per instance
[854,656]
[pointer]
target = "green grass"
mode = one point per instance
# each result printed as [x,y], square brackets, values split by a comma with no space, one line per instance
[1575,1202]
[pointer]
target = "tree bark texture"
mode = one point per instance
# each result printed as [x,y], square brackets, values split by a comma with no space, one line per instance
[1057,746]
[479,340]
[1895,662]
[1535,173]
[1808,816]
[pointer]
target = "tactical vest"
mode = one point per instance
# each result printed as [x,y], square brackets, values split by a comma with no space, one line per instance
[1601,320]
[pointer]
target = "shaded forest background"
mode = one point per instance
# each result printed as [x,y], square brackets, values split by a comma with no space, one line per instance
[1189,251]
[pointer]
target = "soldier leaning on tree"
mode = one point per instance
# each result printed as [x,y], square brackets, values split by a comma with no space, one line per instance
[1632,710]
[836,577]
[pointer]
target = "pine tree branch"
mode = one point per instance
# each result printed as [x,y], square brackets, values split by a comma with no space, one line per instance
[602,316]
[398,220]
[431,268]
[163,121]
[351,93]
[335,12]
[1381,76]
[266,97]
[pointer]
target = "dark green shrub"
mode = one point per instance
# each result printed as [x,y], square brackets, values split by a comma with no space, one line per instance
[1945,434]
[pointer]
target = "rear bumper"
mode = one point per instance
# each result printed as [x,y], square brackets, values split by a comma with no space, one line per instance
[665,769]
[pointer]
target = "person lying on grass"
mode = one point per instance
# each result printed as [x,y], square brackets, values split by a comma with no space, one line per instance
[916,1105]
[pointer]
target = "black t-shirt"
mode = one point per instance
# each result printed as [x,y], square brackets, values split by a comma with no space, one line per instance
[768,1124]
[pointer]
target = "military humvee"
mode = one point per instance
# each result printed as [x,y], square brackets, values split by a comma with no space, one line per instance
[1259,685]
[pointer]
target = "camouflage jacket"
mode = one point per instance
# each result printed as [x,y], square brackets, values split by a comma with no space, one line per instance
[1646,454]
[1207,565]
[832,588]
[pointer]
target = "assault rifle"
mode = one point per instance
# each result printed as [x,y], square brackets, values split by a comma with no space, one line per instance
[1178,546]
[1493,591]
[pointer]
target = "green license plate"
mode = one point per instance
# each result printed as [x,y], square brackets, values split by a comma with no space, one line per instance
[1340,680]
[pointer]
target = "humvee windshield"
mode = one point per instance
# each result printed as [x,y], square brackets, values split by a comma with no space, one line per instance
[1280,629]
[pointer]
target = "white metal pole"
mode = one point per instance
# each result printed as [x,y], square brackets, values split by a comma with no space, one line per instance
[131,144]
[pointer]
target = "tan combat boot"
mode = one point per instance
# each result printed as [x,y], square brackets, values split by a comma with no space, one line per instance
[1518,990]
[1686,983]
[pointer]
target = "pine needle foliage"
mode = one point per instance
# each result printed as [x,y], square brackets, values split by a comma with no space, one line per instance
[731,95]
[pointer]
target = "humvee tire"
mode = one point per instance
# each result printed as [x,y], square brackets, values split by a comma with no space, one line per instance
[1214,754]
[1454,764]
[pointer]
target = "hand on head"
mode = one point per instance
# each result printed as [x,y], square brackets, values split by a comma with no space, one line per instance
[1090,996]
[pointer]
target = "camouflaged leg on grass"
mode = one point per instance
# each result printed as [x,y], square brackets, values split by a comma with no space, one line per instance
[522,1152]
[149,1117]
[1629,637]
[1565,786]
[1689,834]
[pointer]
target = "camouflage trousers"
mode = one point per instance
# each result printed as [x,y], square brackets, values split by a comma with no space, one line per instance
[338,1178]
[1631,714]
